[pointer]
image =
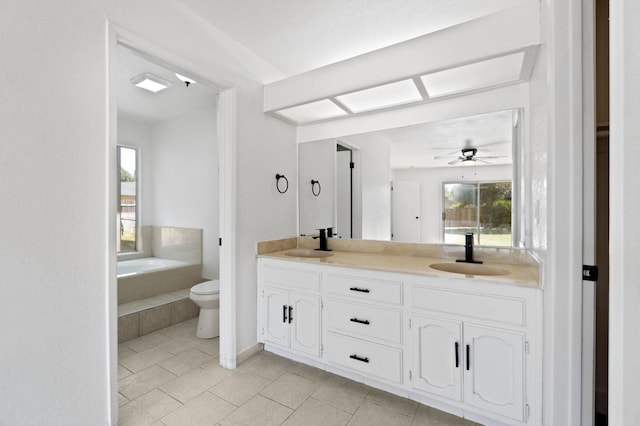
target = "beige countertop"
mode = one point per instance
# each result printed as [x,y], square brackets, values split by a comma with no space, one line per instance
[518,274]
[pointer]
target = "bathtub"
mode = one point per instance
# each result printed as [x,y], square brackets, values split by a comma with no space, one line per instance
[151,276]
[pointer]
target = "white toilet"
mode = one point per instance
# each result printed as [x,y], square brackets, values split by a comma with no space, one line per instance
[207,296]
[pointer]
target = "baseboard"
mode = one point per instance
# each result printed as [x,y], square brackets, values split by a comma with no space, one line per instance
[248,353]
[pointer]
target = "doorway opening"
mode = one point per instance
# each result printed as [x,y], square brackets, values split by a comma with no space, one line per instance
[184,177]
[344,192]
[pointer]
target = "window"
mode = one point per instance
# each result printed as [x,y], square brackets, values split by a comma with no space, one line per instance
[127,199]
[483,208]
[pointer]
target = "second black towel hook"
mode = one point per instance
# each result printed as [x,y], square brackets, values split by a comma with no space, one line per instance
[313,187]
[286,188]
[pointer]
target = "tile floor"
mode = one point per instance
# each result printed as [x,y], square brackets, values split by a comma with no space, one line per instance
[170,377]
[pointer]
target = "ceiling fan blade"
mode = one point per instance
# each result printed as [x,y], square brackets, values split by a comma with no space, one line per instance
[481,161]
[491,157]
[441,157]
[459,160]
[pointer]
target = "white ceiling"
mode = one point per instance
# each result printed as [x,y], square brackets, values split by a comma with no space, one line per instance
[146,107]
[415,146]
[295,36]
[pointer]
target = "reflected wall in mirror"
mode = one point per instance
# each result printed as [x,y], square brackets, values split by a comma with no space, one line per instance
[428,183]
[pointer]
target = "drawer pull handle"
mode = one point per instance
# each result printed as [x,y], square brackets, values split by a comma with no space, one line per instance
[358,358]
[457,354]
[361,290]
[284,313]
[359,321]
[468,359]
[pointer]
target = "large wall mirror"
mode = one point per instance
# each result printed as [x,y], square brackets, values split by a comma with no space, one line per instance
[428,183]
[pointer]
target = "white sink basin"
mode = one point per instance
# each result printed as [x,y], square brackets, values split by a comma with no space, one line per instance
[469,268]
[308,253]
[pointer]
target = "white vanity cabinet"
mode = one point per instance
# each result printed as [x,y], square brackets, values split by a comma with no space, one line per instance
[473,364]
[467,346]
[290,308]
[471,345]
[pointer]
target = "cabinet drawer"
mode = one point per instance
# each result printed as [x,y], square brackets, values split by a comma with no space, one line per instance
[368,358]
[365,320]
[493,308]
[303,280]
[365,289]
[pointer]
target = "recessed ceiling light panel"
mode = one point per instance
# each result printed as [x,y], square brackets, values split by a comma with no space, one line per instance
[398,93]
[479,75]
[150,82]
[319,110]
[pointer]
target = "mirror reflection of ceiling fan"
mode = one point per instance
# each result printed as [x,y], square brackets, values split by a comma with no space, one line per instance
[468,155]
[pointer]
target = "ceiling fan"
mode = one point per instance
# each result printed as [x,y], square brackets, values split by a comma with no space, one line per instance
[468,155]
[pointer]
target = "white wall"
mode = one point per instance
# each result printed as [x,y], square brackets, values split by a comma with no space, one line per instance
[431,198]
[265,146]
[375,179]
[317,161]
[54,243]
[184,179]
[624,346]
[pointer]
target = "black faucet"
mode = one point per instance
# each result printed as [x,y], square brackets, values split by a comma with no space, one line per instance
[468,249]
[323,240]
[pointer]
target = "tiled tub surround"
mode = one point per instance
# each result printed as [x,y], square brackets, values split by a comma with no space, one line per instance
[153,283]
[147,315]
[182,247]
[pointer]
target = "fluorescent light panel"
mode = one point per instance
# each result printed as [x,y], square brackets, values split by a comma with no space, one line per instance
[479,75]
[398,93]
[150,82]
[313,111]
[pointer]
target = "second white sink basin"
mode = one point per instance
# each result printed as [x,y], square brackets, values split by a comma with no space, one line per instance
[309,253]
[469,268]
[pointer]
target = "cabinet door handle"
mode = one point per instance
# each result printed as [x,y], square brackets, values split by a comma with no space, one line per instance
[359,321]
[361,290]
[284,313]
[468,359]
[358,358]
[457,349]
[290,314]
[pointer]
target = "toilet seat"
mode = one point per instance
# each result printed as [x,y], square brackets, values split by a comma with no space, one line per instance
[207,287]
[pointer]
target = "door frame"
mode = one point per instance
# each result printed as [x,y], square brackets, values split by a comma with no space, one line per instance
[226,135]
[588,210]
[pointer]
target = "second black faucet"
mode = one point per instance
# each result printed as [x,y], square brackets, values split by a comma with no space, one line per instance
[468,249]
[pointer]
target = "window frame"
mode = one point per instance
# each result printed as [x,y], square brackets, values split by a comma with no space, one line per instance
[136,247]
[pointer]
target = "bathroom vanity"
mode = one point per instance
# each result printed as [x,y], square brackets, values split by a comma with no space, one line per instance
[466,344]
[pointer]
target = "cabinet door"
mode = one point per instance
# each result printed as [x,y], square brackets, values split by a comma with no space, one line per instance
[494,370]
[305,323]
[437,356]
[275,321]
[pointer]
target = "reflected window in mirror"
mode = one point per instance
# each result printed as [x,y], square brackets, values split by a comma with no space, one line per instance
[127,169]
[483,208]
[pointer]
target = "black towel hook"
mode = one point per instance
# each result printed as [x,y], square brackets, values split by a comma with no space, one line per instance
[313,187]
[286,188]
